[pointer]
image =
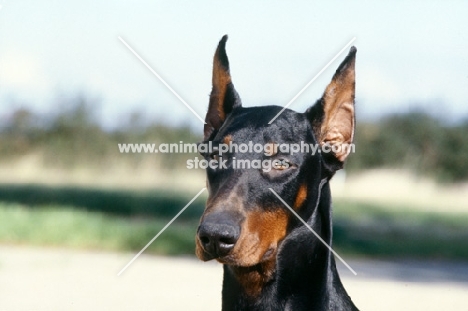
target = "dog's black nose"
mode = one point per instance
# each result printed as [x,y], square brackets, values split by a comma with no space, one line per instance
[218,233]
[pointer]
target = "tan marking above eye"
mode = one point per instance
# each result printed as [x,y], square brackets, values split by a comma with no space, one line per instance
[271,149]
[227,139]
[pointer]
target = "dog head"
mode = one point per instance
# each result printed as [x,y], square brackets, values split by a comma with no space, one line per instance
[244,222]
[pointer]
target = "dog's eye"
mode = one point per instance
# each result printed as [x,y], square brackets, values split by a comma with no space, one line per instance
[281,164]
[214,156]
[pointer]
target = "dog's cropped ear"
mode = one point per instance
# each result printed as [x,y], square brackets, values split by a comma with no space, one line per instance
[223,98]
[332,117]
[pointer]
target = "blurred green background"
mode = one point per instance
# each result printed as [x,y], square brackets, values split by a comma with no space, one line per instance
[64,183]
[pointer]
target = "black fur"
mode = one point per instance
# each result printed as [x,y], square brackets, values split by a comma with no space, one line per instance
[304,276]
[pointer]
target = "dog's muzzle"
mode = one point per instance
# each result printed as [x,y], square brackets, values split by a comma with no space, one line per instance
[218,233]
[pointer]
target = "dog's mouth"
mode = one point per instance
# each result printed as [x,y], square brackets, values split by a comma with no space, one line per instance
[246,261]
[254,240]
[240,257]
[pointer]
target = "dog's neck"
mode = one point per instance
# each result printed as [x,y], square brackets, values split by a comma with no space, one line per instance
[252,280]
[310,268]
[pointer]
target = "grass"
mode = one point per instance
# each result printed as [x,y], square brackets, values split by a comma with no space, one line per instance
[155,203]
[53,225]
[126,221]
[385,231]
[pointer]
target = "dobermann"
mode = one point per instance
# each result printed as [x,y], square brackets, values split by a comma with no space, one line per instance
[272,261]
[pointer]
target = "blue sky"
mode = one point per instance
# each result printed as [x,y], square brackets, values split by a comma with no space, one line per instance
[410,54]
